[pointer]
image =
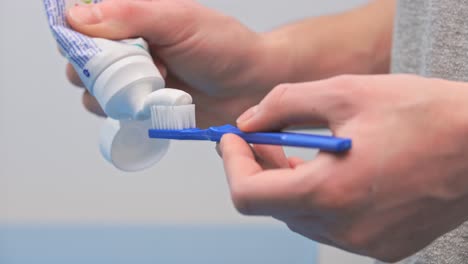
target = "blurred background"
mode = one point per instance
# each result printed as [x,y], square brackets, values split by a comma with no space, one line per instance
[60,202]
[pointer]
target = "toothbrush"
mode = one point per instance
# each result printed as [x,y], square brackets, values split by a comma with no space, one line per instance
[178,123]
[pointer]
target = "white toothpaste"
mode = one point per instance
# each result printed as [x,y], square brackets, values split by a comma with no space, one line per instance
[122,76]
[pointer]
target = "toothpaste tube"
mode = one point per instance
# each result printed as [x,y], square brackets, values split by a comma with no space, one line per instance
[121,75]
[118,73]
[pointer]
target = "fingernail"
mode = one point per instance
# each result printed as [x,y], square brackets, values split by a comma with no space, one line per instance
[249,114]
[86,14]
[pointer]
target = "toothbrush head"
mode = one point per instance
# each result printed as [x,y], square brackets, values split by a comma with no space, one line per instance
[176,117]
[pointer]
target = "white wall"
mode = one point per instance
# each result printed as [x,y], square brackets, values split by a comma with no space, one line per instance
[51,171]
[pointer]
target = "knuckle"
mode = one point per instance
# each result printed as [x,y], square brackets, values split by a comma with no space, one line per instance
[87,101]
[335,198]
[390,251]
[358,240]
[389,254]
[342,92]
[346,87]
[88,107]
[355,239]
[72,76]
[91,104]
[241,200]
[127,9]
[387,258]
[123,15]
[278,94]
[121,10]
[70,73]
[294,228]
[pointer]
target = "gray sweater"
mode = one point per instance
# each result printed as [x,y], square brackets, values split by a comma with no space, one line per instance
[431,39]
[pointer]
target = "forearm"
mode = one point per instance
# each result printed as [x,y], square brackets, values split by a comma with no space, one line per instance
[355,42]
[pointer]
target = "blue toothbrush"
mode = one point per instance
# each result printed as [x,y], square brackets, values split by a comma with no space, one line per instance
[162,130]
[325,143]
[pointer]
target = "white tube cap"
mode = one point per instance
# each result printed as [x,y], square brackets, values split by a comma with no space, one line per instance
[127,146]
[122,88]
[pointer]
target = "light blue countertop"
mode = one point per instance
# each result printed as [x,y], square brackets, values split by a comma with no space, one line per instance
[157,244]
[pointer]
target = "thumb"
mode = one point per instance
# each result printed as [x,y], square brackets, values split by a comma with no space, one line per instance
[322,103]
[163,22]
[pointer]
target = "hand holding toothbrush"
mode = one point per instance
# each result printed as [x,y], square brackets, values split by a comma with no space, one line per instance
[402,185]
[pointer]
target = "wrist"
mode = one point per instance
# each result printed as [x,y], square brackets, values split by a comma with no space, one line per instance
[276,57]
[266,63]
[355,42]
[302,53]
[450,112]
[308,52]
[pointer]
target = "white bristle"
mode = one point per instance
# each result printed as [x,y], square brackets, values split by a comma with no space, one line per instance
[173,117]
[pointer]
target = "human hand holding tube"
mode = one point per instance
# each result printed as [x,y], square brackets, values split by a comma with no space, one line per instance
[402,185]
[227,67]
[203,52]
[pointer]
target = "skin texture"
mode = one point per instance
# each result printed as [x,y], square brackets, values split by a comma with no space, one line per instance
[404,182]
[227,67]
[402,185]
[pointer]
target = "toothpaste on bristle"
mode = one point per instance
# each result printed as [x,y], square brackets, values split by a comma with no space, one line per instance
[170,109]
[165,97]
[173,117]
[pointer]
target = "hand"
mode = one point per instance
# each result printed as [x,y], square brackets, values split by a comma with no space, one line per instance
[404,183]
[221,63]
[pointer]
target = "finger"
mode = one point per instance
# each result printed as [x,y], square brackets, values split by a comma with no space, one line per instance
[159,22]
[316,103]
[258,192]
[73,76]
[161,67]
[270,157]
[294,162]
[238,157]
[313,233]
[311,230]
[92,105]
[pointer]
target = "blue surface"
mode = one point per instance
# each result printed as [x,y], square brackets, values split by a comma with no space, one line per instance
[141,245]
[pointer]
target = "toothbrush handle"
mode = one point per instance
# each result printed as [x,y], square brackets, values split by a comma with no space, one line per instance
[325,143]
